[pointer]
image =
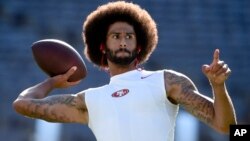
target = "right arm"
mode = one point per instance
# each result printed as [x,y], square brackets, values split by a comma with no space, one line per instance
[34,102]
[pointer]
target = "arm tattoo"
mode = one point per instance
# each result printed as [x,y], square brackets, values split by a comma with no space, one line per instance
[174,79]
[197,104]
[54,108]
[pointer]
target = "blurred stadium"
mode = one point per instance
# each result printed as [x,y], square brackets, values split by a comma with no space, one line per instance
[189,31]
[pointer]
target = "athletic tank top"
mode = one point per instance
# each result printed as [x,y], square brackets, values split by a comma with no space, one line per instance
[132,107]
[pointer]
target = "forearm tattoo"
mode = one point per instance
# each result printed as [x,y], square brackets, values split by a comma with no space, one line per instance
[188,97]
[54,108]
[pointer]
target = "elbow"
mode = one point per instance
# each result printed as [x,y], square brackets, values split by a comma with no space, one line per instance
[225,128]
[18,106]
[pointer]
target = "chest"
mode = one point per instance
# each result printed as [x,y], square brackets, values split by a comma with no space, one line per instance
[139,97]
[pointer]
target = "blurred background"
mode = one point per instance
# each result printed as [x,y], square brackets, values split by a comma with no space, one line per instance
[189,32]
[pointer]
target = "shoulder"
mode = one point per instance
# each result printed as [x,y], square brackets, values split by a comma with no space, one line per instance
[169,76]
[176,82]
[175,77]
[173,73]
[152,72]
[93,90]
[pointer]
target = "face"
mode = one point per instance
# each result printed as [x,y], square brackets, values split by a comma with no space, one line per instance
[121,43]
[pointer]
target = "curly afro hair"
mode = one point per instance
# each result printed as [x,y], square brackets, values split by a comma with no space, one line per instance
[96,26]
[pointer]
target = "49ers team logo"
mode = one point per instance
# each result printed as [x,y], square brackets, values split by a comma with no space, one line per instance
[120,93]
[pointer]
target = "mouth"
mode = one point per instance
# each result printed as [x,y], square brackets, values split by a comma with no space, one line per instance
[121,56]
[122,52]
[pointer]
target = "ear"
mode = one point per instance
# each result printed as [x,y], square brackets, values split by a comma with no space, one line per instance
[102,48]
[138,49]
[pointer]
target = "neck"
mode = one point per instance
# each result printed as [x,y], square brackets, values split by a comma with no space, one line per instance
[115,69]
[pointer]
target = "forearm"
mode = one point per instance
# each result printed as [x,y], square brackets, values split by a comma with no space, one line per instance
[38,91]
[223,107]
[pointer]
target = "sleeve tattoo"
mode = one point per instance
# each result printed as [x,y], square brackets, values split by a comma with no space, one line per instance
[189,97]
[59,108]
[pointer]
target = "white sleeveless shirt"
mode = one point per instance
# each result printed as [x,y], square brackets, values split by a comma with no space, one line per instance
[132,107]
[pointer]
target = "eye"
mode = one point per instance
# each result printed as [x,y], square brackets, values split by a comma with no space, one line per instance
[115,36]
[129,36]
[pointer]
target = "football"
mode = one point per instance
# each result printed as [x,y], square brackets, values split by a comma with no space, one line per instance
[56,57]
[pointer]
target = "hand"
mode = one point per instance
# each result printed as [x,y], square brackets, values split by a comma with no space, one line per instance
[217,72]
[61,81]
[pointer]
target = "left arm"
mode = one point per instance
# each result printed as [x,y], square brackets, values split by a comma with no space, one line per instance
[217,73]
[217,112]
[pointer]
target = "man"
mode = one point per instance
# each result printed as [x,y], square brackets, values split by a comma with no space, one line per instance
[137,105]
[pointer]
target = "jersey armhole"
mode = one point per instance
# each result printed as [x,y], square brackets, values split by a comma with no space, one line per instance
[164,86]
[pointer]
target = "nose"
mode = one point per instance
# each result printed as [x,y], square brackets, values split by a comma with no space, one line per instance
[123,43]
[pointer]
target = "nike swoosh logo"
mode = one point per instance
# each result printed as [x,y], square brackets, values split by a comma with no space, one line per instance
[143,77]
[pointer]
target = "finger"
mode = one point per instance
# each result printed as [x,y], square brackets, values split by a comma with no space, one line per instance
[216,56]
[222,70]
[216,67]
[228,72]
[205,69]
[74,83]
[71,71]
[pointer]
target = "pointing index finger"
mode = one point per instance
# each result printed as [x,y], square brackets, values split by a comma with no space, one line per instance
[216,55]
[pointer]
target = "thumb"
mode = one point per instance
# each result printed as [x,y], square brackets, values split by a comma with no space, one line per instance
[205,69]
